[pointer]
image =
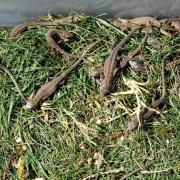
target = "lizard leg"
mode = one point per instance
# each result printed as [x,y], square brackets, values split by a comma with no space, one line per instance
[96,72]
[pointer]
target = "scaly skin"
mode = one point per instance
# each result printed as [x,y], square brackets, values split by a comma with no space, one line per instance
[176,24]
[62,20]
[111,65]
[24,26]
[54,21]
[139,21]
[135,52]
[6,70]
[62,34]
[146,20]
[99,71]
[50,87]
[146,113]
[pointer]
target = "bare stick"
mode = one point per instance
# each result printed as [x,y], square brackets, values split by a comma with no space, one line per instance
[134,172]
[114,171]
[159,171]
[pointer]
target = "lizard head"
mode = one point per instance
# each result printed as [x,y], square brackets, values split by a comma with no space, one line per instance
[104,89]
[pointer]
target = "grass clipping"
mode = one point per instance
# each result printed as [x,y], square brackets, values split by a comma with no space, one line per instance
[72,125]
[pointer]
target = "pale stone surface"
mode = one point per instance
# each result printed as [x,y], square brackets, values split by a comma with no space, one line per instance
[16,11]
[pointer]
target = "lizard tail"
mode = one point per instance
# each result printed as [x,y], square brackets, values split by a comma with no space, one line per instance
[13,80]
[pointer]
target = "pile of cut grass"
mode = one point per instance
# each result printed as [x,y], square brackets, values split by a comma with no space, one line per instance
[60,139]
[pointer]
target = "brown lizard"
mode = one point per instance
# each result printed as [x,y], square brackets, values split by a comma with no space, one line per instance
[135,52]
[62,34]
[49,88]
[139,21]
[111,64]
[62,20]
[59,21]
[149,21]
[146,113]
[146,20]
[122,24]
[176,24]
[24,26]
[6,70]
[98,72]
